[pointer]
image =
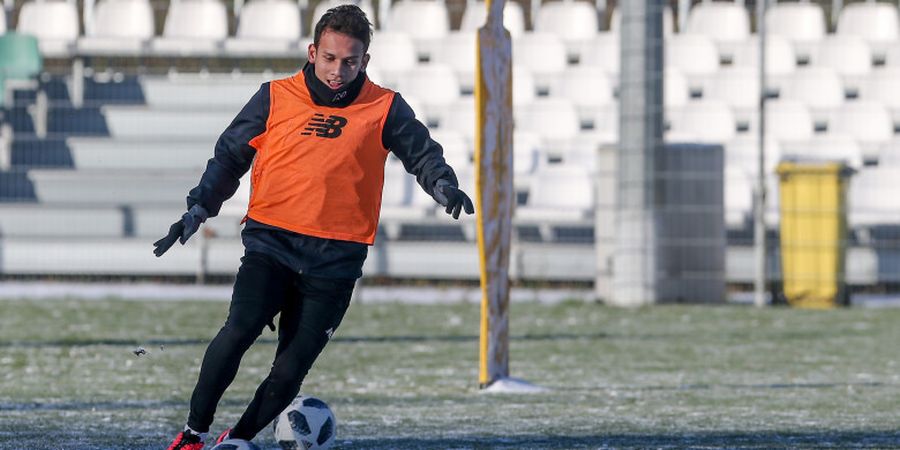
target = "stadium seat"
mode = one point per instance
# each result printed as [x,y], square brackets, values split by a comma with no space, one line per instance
[606,121]
[425,21]
[847,55]
[873,197]
[695,56]
[727,24]
[267,27]
[802,24]
[436,85]
[877,23]
[552,118]
[20,65]
[457,149]
[781,61]
[738,198]
[883,86]
[174,123]
[738,87]
[742,153]
[119,27]
[547,68]
[559,195]
[524,91]
[458,50]
[575,22]
[615,21]
[54,23]
[200,92]
[819,88]
[323,6]
[676,90]
[55,221]
[527,152]
[396,200]
[476,14]
[587,101]
[140,153]
[868,122]
[787,121]
[709,121]
[459,117]
[393,54]
[193,28]
[603,52]
[112,187]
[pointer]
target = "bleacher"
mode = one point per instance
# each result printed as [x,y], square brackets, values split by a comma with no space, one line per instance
[101,145]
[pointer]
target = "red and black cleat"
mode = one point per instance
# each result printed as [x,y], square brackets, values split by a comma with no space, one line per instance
[223,436]
[186,441]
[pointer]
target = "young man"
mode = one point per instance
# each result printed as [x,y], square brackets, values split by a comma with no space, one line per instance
[319,139]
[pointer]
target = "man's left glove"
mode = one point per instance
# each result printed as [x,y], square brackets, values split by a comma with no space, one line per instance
[453,198]
[181,230]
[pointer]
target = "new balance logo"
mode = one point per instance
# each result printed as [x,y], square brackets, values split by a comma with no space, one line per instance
[329,127]
[329,332]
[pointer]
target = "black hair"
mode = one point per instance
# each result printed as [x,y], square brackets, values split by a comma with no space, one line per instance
[346,19]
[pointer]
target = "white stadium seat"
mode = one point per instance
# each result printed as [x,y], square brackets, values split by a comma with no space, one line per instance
[695,56]
[426,22]
[393,54]
[119,27]
[819,88]
[547,68]
[475,16]
[174,123]
[193,27]
[267,27]
[676,90]
[54,23]
[738,87]
[140,153]
[743,152]
[562,193]
[874,22]
[708,121]
[803,24]
[727,24]
[874,197]
[606,122]
[588,88]
[527,151]
[603,52]
[49,221]
[781,61]
[883,86]
[788,121]
[460,117]
[457,50]
[524,90]
[436,85]
[849,56]
[575,22]
[868,122]
[201,92]
[551,118]
[738,197]
[457,150]
[323,7]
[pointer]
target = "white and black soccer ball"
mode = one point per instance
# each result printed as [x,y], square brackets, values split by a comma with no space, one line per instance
[235,444]
[306,424]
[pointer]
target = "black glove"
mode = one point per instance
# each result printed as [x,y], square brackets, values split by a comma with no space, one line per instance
[453,198]
[181,230]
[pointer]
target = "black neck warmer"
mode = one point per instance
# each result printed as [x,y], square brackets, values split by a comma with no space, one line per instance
[323,95]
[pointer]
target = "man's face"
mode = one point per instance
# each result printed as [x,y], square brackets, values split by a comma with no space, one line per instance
[339,58]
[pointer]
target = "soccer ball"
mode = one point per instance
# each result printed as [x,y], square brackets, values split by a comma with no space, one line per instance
[235,444]
[306,424]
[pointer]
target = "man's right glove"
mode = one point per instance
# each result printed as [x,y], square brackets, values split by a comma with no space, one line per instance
[453,198]
[181,230]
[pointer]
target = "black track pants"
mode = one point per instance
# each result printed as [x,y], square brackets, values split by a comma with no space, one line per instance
[311,309]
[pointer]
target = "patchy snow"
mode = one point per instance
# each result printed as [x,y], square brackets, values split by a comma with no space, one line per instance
[513,386]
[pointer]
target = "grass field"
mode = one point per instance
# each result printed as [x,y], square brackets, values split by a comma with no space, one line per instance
[402,376]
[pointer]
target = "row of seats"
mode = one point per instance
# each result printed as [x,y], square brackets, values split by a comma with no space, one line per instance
[275,26]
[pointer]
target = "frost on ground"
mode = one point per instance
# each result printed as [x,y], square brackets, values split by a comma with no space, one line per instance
[405,376]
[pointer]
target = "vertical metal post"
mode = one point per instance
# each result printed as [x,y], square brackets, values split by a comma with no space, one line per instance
[759,213]
[684,9]
[836,7]
[640,138]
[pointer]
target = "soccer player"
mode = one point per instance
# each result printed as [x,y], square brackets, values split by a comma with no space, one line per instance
[320,139]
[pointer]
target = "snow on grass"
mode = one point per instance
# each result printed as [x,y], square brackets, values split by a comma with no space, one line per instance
[401,376]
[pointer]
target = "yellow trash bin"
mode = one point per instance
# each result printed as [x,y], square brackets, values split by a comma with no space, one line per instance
[813,232]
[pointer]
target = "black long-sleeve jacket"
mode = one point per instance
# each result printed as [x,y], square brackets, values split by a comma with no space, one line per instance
[403,135]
